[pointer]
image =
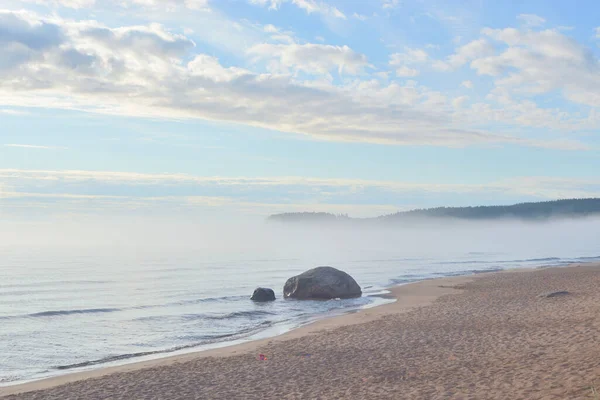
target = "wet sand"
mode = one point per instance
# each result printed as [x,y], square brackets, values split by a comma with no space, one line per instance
[487,336]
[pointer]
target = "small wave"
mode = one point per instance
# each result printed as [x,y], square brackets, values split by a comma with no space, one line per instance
[196,301]
[542,259]
[464,262]
[400,280]
[240,314]
[528,260]
[58,284]
[384,260]
[416,278]
[210,300]
[191,302]
[588,258]
[485,271]
[205,340]
[69,312]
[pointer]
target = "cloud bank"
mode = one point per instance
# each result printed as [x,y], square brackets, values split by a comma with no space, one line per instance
[323,91]
[95,191]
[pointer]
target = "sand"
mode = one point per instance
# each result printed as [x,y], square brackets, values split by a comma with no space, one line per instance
[487,336]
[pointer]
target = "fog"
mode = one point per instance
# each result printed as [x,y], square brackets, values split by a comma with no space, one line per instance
[315,242]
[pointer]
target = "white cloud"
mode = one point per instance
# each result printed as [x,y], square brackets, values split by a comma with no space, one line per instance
[310,6]
[63,3]
[410,56]
[404,61]
[273,4]
[311,58]
[270,28]
[319,7]
[279,35]
[169,5]
[531,20]
[460,101]
[406,71]
[32,146]
[13,112]
[502,107]
[360,16]
[390,4]
[148,71]
[228,190]
[470,51]
[540,62]
[467,84]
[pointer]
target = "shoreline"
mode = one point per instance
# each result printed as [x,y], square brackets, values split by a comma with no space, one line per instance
[150,359]
[339,333]
[412,295]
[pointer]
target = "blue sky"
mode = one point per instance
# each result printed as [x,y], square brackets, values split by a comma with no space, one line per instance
[251,107]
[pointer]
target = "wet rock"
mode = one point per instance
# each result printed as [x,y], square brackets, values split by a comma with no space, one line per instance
[263,294]
[321,283]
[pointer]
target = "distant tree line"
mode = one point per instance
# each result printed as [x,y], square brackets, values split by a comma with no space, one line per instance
[527,211]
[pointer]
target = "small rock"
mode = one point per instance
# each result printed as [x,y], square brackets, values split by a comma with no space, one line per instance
[554,294]
[263,294]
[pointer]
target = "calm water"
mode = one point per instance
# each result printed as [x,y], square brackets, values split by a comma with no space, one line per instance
[63,308]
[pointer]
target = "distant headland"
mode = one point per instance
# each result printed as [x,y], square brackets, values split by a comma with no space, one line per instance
[535,211]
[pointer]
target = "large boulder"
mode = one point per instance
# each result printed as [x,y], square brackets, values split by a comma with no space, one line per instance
[263,294]
[321,283]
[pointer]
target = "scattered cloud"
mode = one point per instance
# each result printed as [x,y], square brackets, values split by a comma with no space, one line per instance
[531,20]
[148,71]
[279,35]
[169,5]
[311,58]
[523,66]
[470,51]
[273,4]
[32,146]
[125,191]
[390,4]
[404,61]
[405,71]
[467,84]
[310,6]
[64,3]
[460,101]
[319,7]
[7,111]
[360,16]
[410,56]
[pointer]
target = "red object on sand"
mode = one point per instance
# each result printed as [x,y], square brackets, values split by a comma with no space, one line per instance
[262,357]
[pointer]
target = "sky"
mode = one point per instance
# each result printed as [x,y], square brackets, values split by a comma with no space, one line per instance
[215,108]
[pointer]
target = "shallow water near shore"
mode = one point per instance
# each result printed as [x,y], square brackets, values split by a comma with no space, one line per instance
[69,307]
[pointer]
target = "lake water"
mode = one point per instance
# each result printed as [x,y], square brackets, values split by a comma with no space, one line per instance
[67,307]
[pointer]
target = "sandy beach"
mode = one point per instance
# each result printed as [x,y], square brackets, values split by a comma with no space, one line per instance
[486,336]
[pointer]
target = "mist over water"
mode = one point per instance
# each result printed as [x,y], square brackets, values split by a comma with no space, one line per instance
[87,293]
